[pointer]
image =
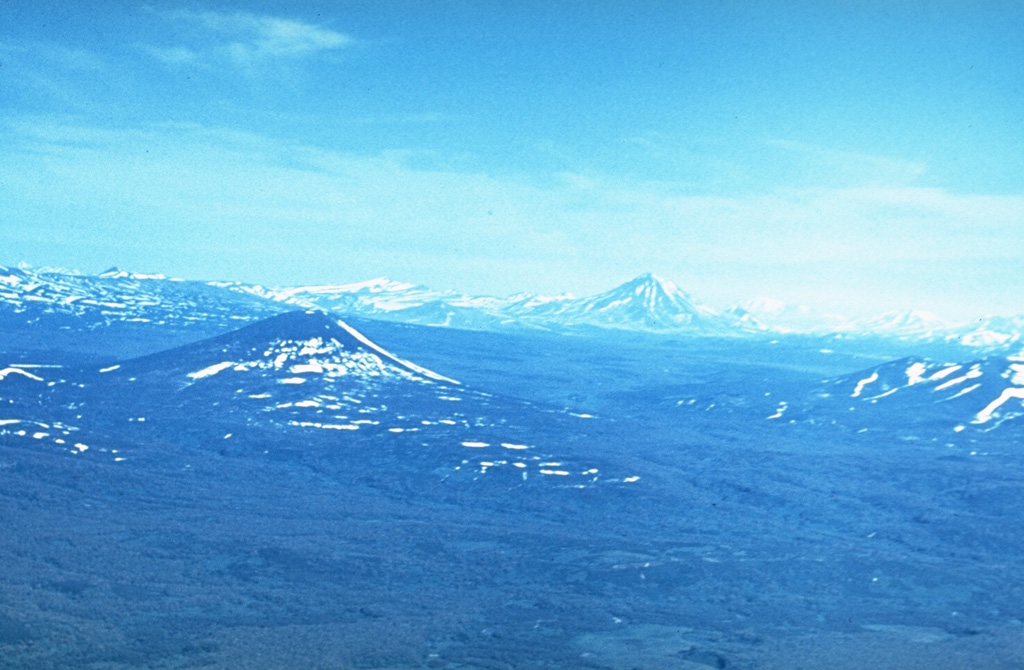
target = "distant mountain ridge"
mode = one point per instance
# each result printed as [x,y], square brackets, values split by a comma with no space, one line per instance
[292,348]
[976,395]
[647,303]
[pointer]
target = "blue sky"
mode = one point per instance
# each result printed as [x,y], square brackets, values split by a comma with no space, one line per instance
[854,156]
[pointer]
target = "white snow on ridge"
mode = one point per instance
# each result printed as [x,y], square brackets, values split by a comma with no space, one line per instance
[915,373]
[211,370]
[377,285]
[965,391]
[8,371]
[864,382]
[944,372]
[311,367]
[412,366]
[973,373]
[986,414]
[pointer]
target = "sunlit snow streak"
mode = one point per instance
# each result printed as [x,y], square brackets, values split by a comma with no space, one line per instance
[211,370]
[971,374]
[915,373]
[944,372]
[965,391]
[423,371]
[324,426]
[986,414]
[864,382]
[7,371]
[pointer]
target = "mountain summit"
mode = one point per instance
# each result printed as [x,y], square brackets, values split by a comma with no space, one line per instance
[646,302]
[291,348]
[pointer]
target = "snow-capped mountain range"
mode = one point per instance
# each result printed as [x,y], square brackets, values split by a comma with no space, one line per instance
[646,303]
[976,395]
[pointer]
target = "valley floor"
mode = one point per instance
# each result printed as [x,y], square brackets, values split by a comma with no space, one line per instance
[742,543]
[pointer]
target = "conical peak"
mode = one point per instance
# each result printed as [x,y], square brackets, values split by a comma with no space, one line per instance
[292,325]
[650,281]
[302,340]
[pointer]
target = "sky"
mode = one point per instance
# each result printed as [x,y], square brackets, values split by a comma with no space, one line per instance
[856,157]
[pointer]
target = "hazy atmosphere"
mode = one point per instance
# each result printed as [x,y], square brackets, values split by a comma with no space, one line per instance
[857,157]
[511,335]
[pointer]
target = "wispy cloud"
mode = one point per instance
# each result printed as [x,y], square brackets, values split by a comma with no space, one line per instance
[49,54]
[172,55]
[60,75]
[246,39]
[197,192]
[854,166]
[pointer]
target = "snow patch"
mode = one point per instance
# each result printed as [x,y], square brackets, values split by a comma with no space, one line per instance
[864,382]
[986,414]
[7,371]
[211,370]
[915,373]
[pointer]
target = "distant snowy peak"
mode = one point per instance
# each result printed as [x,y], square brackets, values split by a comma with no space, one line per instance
[983,393]
[379,298]
[993,331]
[647,302]
[916,324]
[290,348]
[769,306]
[117,273]
[380,285]
[652,295]
[990,333]
[784,317]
